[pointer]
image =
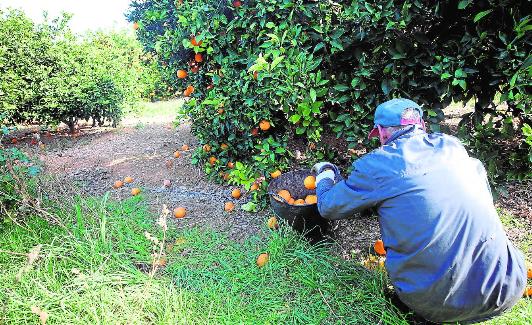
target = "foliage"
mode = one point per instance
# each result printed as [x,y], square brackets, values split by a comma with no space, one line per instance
[16,175]
[49,75]
[317,68]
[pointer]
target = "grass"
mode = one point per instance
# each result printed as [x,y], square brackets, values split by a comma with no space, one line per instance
[88,273]
[94,271]
[156,110]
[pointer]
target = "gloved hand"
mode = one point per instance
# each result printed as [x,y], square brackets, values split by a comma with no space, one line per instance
[324,170]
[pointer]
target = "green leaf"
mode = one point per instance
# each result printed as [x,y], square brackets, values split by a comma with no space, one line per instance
[313,94]
[300,130]
[445,75]
[463,4]
[341,87]
[295,118]
[276,62]
[481,15]
[270,25]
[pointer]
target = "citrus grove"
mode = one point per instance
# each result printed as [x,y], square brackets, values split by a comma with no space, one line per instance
[272,84]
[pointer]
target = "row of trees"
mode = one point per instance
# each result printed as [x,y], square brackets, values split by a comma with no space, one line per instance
[48,75]
[316,70]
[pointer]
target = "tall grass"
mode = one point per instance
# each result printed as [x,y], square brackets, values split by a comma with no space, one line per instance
[96,271]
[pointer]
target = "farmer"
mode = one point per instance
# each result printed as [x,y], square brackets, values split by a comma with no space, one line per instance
[448,256]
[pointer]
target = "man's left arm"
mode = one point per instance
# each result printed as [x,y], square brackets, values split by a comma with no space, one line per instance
[342,199]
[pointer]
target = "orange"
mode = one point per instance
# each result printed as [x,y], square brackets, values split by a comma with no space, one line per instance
[264,125]
[310,182]
[230,165]
[236,193]
[135,25]
[285,195]
[226,176]
[212,160]
[275,174]
[206,148]
[255,75]
[237,3]
[181,74]
[291,201]
[529,273]
[198,57]
[128,180]
[177,154]
[528,292]
[184,147]
[254,187]
[194,42]
[118,184]
[311,199]
[379,247]
[229,206]
[220,111]
[272,223]
[263,259]
[188,91]
[14,141]
[136,191]
[224,146]
[180,212]
[299,202]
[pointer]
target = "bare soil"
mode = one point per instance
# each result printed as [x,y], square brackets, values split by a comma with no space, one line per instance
[141,148]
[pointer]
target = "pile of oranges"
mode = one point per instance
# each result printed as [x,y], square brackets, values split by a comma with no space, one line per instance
[310,184]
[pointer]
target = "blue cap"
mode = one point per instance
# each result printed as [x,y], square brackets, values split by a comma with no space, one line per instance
[390,113]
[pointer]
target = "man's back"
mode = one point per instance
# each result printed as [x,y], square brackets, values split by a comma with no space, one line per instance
[447,254]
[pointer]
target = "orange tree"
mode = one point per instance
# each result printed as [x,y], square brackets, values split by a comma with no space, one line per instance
[313,71]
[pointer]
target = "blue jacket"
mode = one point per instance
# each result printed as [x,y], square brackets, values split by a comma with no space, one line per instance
[448,256]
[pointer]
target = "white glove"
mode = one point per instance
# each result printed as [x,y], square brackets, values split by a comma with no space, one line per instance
[317,168]
[325,174]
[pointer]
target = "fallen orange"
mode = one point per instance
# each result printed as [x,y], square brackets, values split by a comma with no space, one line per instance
[180,212]
[379,247]
[263,259]
[236,193]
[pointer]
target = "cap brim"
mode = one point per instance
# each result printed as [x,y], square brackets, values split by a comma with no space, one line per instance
[374,133]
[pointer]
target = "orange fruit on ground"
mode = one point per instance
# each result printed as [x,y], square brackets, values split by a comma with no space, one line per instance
[118,184]
[177,154]
[379,247]
[206,148]
[529,273]
[14,141]
[135,191]
[264,125]
[285,195]
[299,202]
[224,146]
[128,180]
[254,187]
[194,42]
[291,201]
[198,57]
[230,165]
[272,223]
[135,25]
[311,199]
[220,111]
[310,182]
[237,3]
[184,147]
[212,160]
[275,174]
[263,259]
[229,206]
[181,74]
[167,183]
[180,212]
[236,193]
[528,292]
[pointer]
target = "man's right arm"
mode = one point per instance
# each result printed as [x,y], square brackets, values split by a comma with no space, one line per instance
[347,197]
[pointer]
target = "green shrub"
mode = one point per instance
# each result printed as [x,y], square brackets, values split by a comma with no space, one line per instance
[318,69]
[49,75]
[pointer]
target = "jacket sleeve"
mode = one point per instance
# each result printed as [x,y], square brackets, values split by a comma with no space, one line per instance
[343,199]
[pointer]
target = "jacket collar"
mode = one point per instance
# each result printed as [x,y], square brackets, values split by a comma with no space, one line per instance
[412,130]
